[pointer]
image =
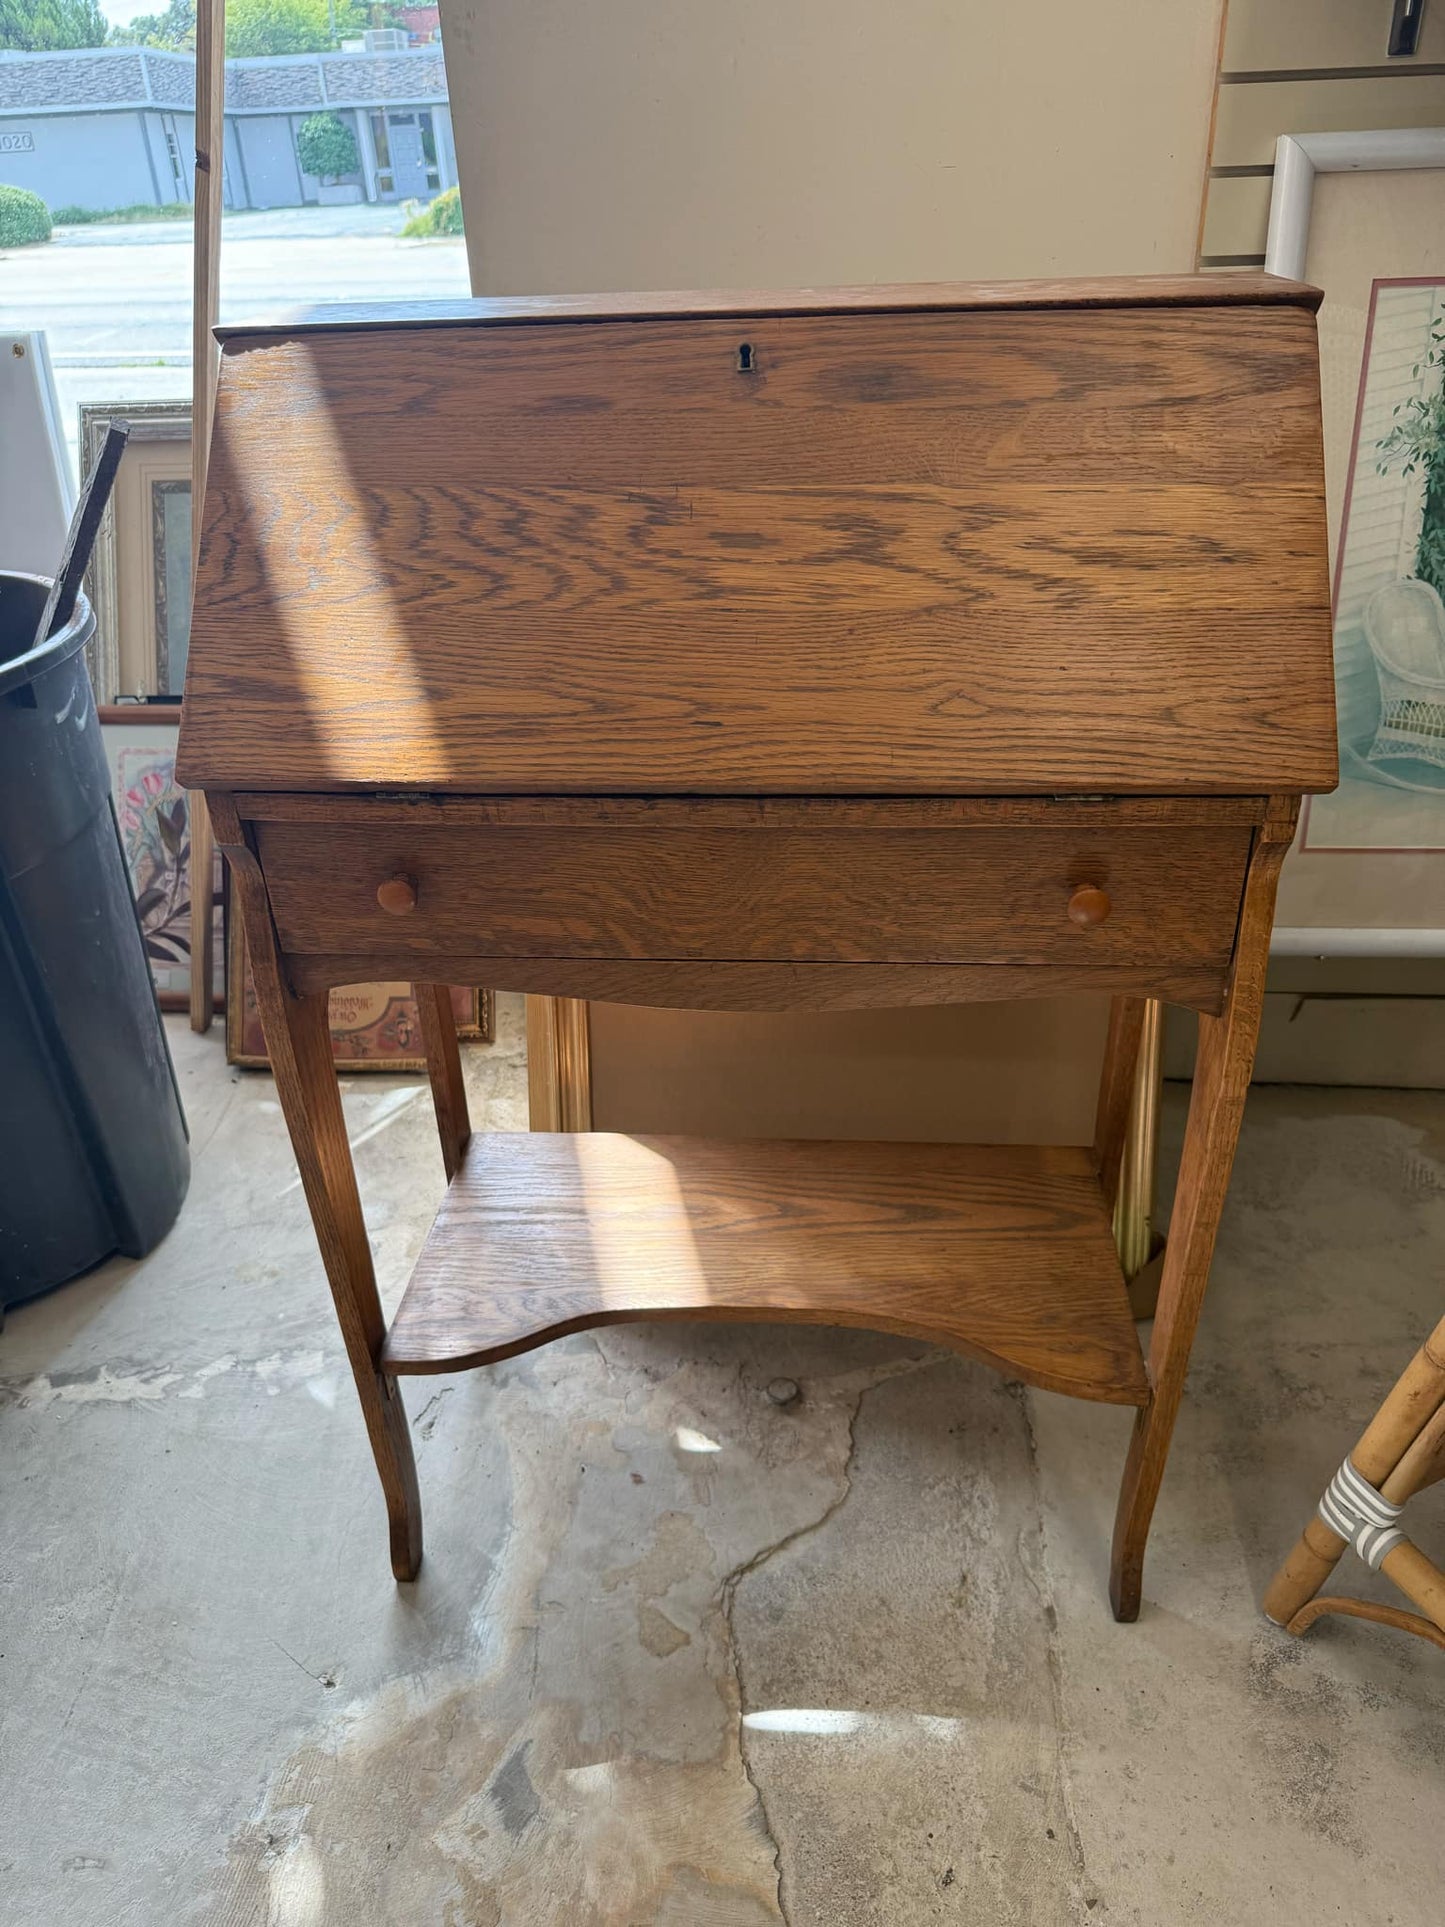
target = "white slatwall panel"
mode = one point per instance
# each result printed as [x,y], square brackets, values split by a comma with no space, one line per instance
[1296,66]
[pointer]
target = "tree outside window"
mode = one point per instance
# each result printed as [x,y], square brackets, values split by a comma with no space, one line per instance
[326,147]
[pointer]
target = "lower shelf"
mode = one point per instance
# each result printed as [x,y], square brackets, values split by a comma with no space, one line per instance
[1000,1251]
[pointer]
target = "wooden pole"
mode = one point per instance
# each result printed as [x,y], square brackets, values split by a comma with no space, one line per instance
[209,181]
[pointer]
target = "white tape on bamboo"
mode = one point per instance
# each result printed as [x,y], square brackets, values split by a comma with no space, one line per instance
[1366,1518]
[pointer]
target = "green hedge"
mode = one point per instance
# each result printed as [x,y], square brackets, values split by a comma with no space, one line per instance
[24,217]
[443,216]
[122,216]
[326,147]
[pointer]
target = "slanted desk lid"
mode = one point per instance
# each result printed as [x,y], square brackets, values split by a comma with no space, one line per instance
[1033,537]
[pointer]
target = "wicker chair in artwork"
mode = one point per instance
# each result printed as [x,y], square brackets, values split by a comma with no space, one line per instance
[1400,1452]
[1405,628]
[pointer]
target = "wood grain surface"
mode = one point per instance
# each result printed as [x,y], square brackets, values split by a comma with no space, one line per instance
[298,1042]
[1001,1252]
[392,811]
[803,896]
[1169,290]
[769,986]
[968,551]
[444,1071]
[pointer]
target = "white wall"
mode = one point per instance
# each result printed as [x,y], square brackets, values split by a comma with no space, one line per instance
[268,150]
[83,160]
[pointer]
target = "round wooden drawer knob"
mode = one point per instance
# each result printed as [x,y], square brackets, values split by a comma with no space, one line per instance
[1089,906]
[397,896]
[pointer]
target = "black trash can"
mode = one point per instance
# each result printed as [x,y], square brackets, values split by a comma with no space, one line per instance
[93,1155]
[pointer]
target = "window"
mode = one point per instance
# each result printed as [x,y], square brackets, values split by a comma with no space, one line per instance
[111,287]
[179,183]
[385,179]
[429,153]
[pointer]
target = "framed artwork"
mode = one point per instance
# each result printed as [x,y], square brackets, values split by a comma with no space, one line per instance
[171,574]
[151,815]
[1362,215]
[1389,578]
[139,580]
[374,1027]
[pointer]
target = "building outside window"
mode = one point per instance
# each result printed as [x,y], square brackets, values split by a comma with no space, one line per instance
[104,136]
[110,127]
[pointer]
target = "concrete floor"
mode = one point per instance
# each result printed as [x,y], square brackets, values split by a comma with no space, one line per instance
[679,1656]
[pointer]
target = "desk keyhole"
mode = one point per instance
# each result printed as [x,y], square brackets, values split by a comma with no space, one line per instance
[747,365]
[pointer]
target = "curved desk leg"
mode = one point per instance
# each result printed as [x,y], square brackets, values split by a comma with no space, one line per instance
[298,1040]
[1222,1070]
[444,1070]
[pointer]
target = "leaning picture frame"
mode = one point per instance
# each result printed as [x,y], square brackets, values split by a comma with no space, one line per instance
[152,817]
[139,581]
[1366,876]
[374,1027]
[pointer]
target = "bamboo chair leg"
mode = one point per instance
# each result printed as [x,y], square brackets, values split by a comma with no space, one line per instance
[1422,1462]
[1405,1566]
[444,1068]
[1419,1578]
[1314,1556]
[1406,1419]
[1222,1069]
[298,1041]
[1366,1609]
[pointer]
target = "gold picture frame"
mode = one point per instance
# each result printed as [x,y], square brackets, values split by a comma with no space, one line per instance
[139,576]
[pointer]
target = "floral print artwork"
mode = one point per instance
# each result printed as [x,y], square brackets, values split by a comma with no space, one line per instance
[155,834]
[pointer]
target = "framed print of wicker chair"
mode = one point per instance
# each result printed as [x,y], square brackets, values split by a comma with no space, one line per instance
[1401,1451]
[1405,628]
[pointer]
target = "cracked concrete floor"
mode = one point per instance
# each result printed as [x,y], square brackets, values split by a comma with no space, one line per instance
[681,1656]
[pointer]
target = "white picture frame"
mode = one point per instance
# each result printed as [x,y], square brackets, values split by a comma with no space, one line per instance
[1299,158]
[37,492]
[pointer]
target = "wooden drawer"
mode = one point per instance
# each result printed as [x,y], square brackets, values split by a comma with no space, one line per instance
[796,894]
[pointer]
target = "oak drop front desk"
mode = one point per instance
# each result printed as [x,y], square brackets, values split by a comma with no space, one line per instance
[864,647]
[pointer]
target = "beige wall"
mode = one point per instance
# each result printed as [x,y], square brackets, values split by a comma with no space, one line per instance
[754,143]
[972,1073]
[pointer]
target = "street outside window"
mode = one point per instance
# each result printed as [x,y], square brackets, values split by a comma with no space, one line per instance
[340,177]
